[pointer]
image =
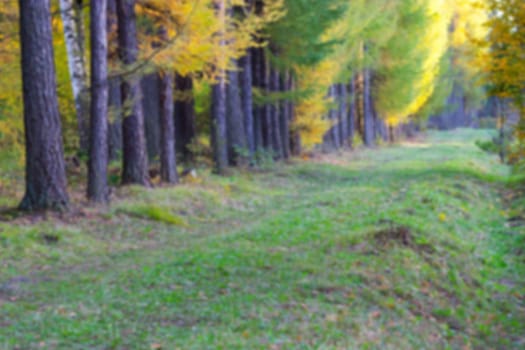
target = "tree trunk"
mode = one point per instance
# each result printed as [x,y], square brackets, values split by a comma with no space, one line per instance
[267,111]
[275,115]
[342,114]
[150,105]
[219,136]
[286,115]
[246,81]
[168,161]
[351,112]
[368,118]
[258,110]
[185,124]
[237,145]
[336,142]
[296,135]
[97,190]
[46,183]
[135,168]
[115,98]
[73,33]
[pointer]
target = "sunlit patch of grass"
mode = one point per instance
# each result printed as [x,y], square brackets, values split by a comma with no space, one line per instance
[152,212]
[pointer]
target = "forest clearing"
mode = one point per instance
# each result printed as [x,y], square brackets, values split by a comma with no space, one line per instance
[410,247]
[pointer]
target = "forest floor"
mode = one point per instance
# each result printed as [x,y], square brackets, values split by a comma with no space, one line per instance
[416,246]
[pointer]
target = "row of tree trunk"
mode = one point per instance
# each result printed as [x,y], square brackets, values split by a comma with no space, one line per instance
[243,128]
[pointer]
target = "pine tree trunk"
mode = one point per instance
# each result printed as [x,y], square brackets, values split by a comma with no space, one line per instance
[168,161]
[135,167]
[73,33]
[343,114]
[219,136]
[46,183]
[258,110]
[150,105]
[286,115]
[237,145]
[97,190]
[115,98]
[368,117]
[185,124]
[334,119]
[246,82]
[351,112]
[275,115]
[267,111]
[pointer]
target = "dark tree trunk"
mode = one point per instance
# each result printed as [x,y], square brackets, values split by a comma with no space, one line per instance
[97,190]
[267,111]
[351,112]
[135,168]
[218,126]
[368,117]
[185,124]
[391,133]
[168,161]
[237,145]
[343,115]
[334,119]
[150,84]
[276,117]
[286,115]
[258,110]
[246,82]
[114,99]
[46,183]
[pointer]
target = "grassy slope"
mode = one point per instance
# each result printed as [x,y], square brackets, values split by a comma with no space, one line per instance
[399,248]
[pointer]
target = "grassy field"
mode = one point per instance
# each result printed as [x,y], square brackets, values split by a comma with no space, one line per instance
[416,246]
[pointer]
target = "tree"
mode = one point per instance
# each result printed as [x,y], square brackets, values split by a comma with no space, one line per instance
[71,14]
[135,167]
[46,181]
[97,190]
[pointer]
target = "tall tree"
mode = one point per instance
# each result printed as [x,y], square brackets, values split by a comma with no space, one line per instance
[168,162]
[219,98]
[46,181]
[185,121]
[135,169]
[237,144]
[71,13]
[114,98]
[98,146]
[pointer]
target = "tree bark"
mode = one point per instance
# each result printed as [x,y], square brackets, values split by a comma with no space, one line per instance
[351,112]
[237,145]
[334,120]
[342,114]
[168,161]
[97,190]
[286,115]
[73,33]
[150,105]
[115,98]
[46,183]
[276,115]
[267,110]
[185,124]
[295,142]
[258,110]
[246,81]
[135,168]
[368,118]
[219,105]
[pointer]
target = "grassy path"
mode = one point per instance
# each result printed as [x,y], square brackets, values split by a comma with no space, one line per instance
[399,248]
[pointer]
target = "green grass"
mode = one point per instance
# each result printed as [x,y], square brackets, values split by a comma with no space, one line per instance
[406,247]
